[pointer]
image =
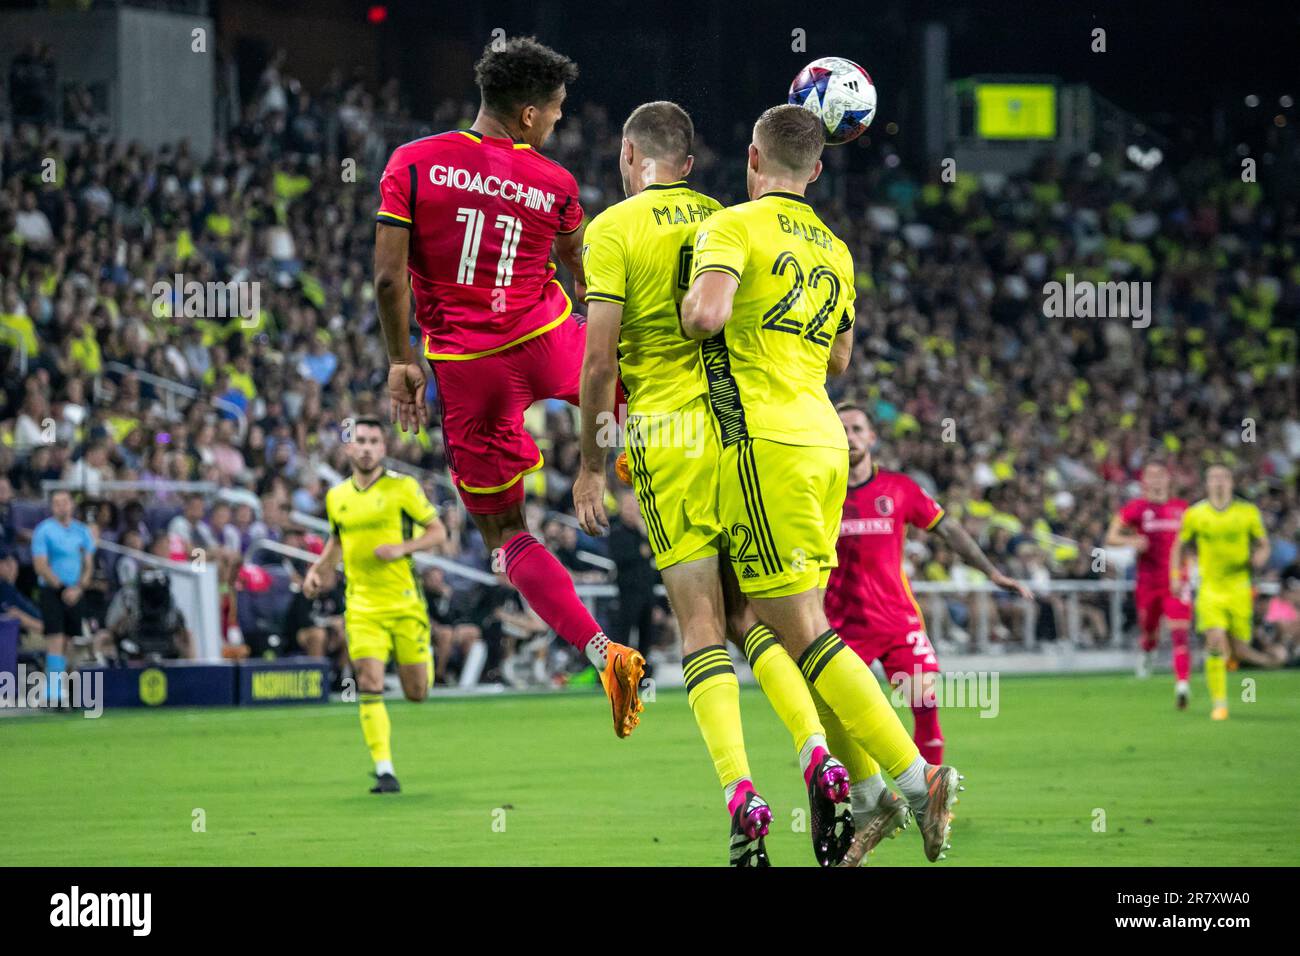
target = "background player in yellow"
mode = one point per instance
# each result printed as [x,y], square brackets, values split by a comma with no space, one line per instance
[1228,536]
[637,262]
[773,294]
[378,519]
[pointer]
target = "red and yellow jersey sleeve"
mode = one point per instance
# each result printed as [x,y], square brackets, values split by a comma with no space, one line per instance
[922,510]
[396,188]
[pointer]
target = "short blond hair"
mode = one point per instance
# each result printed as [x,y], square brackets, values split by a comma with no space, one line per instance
[791,137]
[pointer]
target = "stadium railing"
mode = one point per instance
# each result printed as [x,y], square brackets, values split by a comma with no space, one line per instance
[104,487]
[173,390]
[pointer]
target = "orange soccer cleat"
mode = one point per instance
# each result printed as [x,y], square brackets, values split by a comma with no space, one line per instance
[621,678]
[1220,712]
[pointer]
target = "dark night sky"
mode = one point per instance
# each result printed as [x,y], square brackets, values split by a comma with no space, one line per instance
[1161,57]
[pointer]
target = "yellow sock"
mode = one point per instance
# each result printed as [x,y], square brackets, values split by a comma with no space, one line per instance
[785,688]
[861,765]
[376,728]
[714,696]
[1216,678]
[847,685]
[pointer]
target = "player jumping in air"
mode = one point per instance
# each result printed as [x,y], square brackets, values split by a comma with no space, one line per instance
[1149,525]
[869,602]
[472,216]
[373,516]
[772,296]
[1229,539]
[637,260]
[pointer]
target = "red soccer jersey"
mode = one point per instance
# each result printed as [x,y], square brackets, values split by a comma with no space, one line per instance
[483,214]
[1159,523]
[869,589]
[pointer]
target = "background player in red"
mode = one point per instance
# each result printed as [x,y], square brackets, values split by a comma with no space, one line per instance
[472,217]
[1149,525]
[869,599]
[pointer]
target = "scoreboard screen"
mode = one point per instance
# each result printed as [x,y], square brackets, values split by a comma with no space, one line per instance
[1015,111]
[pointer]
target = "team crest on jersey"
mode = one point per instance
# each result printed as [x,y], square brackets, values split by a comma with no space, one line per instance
[884,505]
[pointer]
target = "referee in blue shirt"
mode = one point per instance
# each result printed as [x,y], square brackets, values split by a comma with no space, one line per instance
[62,554]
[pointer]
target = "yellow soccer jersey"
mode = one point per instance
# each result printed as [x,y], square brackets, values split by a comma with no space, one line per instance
[767,368]
[1223,541]
[638,253]
[387,512]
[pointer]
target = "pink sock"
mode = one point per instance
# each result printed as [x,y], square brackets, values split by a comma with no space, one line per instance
[1182,653]
[548,589]
[926,733]
[1149,642]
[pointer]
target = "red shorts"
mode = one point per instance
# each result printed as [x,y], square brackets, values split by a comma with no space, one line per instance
[483,403]
[899,652]
[1155,603]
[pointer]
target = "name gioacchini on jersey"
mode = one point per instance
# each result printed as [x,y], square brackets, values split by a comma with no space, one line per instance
[454,177]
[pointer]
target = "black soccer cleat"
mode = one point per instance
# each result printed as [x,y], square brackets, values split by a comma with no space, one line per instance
[749,825]
[830,823]
[386,783]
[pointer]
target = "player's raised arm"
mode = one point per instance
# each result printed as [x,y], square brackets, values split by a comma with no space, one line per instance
[421,512]
[320,576]
[568,249]
[392,292]
[1120,534]
[1260,549]
[965,547]
[1186,535]
[841,353]
[435,533]
[605,266]
[842,347]
[707,306]
[599,374]
[405,375]
[721,248]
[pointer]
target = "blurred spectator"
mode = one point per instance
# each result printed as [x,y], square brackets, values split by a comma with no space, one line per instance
[629,548]
[314,627]
[62,553]
[13,603]
[459,654]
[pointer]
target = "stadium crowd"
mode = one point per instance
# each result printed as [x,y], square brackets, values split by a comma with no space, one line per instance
[1030,429]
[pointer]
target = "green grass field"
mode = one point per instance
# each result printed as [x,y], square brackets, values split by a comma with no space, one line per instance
[540,780]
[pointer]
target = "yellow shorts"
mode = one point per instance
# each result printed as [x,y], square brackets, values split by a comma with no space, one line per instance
[673,457]
[403,634]
[1231,611]
[780,507]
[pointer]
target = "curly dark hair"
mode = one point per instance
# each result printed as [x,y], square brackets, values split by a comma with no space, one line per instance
[521,72]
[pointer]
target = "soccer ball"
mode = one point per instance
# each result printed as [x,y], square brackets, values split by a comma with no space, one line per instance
[840,92]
